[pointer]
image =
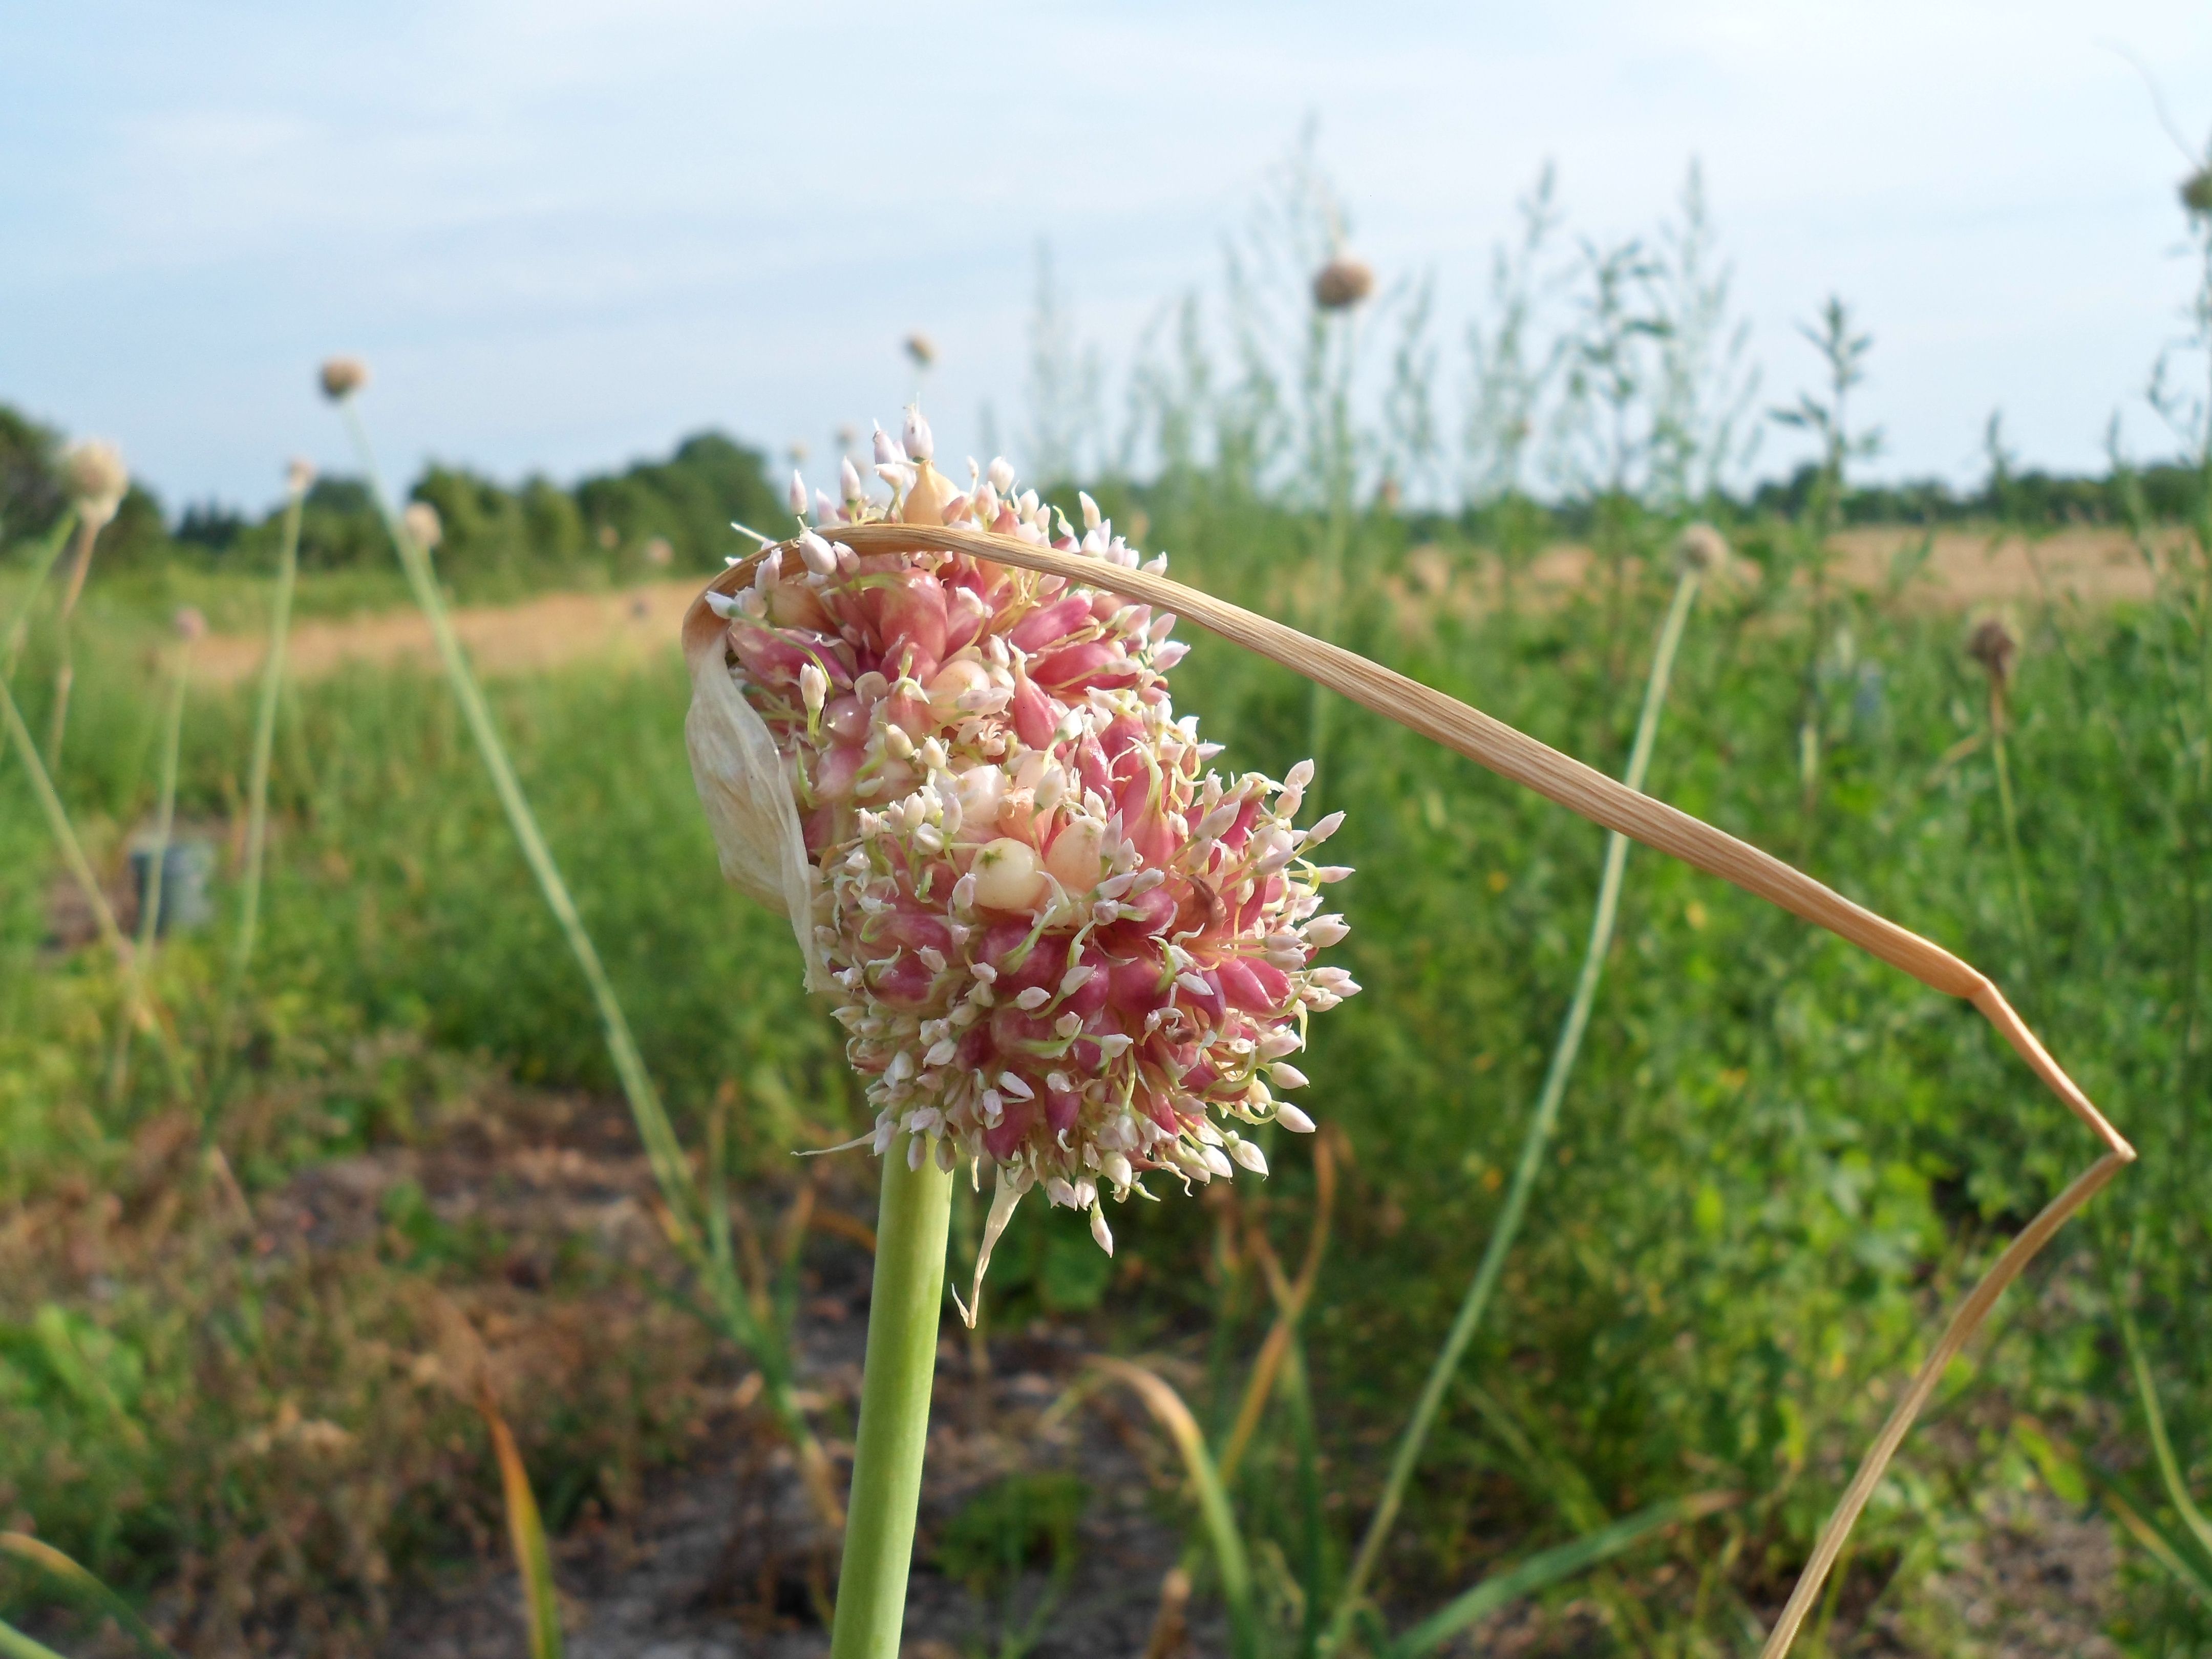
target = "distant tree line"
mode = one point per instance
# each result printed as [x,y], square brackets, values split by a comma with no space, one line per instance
[674,516]
[654,516]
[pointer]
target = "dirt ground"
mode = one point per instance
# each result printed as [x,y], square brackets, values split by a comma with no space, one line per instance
[1963,570]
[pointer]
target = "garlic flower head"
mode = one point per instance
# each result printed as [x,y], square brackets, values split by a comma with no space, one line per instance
[1061,946]
[97,480]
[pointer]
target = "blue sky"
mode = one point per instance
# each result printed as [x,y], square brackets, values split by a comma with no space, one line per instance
[565,234]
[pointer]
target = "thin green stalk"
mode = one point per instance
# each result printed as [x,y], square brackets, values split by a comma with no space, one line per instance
[687,1209]
[141,959]
[16,1645]
[911,1226]
[2169,1467]
[72,851]
[264,742]
[2006,810]
[1533,1143]
[43,562]
[662,1149]
[87,534]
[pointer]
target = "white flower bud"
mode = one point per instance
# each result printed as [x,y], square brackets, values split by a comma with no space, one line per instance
[1001,474]
[797,494]
[887,450]
[1101,1234]
[1292,1119]
[1249,1156]
[1283,1075]
[819,556]
[848,480]
[813,686]
[920,445]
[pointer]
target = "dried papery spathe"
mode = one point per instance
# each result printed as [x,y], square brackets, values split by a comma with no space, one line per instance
[1062,947]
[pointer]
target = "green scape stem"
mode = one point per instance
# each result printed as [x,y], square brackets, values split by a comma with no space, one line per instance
[264,743]
[1538,1133]
[662,1149]
[2027,934]
[43,562]
[150,905]
[688,1212]
[911,1227]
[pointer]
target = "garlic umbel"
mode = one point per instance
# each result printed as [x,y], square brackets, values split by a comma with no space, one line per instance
[1061,945]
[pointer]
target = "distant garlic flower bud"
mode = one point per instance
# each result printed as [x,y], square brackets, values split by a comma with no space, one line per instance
[189,621]
[2197,193]
[97,480]
[921,348]
[1701,547]
[1992,645]
[1059,944]
[847,434]
[342,377]
[422,525]
[299,476]
[659,552]
[1342,283]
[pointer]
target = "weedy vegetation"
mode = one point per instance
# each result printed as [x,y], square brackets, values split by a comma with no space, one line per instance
[1648,1195]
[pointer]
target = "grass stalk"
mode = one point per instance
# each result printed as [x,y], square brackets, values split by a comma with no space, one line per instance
[912,1224]
[1533,1141]
[687,1211]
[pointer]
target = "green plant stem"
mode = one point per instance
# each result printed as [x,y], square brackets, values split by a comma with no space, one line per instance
[2169,1468]
[1510,1214]
[911,1227]
[662,1148]
[80,868]
[2006,811]
[687,1209]
[16,1645]
[141,959]
[87,534]
[43,562]
[264,743]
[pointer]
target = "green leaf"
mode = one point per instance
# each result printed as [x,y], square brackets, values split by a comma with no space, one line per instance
[86,1587]
[1548,1567]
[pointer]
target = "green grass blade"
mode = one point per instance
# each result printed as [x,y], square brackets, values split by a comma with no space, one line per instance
[87,1587]
[1538,1135]
[16,1645]
[1548,1567]
[2156,1545]
[2169,1468]
[1171,1412]
[526,1532]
